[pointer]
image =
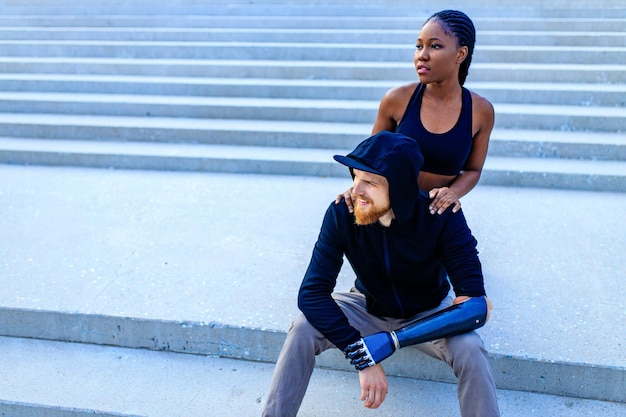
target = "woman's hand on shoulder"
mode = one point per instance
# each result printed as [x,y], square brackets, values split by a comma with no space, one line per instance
[347,196]
[443,198]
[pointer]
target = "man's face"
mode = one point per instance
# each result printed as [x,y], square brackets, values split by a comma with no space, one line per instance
[371,198]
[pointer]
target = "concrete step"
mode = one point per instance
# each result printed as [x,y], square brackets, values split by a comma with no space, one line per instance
[483,19]
[294,134]
[556,93]
[562,144]
[192,262]
[313,35]
[77,380]
[505,171]
[533,8]
[542,117]
[343,70]
[523,142]
[593,175]
[300,51]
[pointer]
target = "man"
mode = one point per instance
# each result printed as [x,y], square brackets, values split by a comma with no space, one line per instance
[402,257]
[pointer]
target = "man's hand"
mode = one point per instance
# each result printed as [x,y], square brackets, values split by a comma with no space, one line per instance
[443,198]
[370,350]
[373,386]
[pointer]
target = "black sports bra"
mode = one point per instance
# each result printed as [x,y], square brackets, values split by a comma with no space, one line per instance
[444,153]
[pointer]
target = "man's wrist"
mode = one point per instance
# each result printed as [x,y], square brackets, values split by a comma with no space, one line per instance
[396,342]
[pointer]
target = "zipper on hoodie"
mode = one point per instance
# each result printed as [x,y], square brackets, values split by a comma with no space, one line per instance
[389,276]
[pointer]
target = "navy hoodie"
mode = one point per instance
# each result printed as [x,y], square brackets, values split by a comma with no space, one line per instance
[402,269]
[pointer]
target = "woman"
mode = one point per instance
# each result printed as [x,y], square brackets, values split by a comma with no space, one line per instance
[451,124]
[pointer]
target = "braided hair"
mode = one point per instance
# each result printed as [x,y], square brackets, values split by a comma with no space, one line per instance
[458,24]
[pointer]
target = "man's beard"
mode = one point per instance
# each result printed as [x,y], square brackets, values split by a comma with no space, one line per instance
[369,216]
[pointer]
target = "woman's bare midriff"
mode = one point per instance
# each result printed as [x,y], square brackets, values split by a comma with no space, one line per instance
[427,180]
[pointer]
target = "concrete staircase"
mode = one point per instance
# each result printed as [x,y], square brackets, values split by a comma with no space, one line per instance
[163,252]
[269,88]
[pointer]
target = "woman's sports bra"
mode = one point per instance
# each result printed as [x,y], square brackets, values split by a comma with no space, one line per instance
[444,153]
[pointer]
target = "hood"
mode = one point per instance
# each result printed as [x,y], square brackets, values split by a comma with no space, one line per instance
[397,158]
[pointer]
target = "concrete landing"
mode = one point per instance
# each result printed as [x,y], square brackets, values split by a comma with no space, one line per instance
[165,260]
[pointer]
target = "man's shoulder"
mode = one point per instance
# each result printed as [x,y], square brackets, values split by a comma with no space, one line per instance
[445,219]
[339,212]
[340,207]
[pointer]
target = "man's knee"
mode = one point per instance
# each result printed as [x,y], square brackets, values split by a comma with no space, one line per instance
[304,336]
[301,327]
[467,350]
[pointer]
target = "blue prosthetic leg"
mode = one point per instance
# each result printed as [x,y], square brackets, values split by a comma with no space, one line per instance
[454,320]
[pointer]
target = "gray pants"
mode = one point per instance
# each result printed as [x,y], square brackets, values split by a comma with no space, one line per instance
[464,353]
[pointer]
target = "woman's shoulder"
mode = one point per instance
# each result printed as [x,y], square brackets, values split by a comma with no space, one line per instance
[402,92]
[480,103]
[483,116]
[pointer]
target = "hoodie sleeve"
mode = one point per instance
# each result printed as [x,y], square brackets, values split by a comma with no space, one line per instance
[314,297]
[460,257]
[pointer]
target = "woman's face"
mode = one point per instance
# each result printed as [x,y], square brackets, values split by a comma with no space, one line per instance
[437,56]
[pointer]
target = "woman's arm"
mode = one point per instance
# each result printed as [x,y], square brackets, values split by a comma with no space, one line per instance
[483,120]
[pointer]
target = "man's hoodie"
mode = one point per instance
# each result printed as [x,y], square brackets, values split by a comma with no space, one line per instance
[402,269]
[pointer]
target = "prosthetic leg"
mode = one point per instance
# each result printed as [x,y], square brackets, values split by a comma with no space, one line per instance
[454,320]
